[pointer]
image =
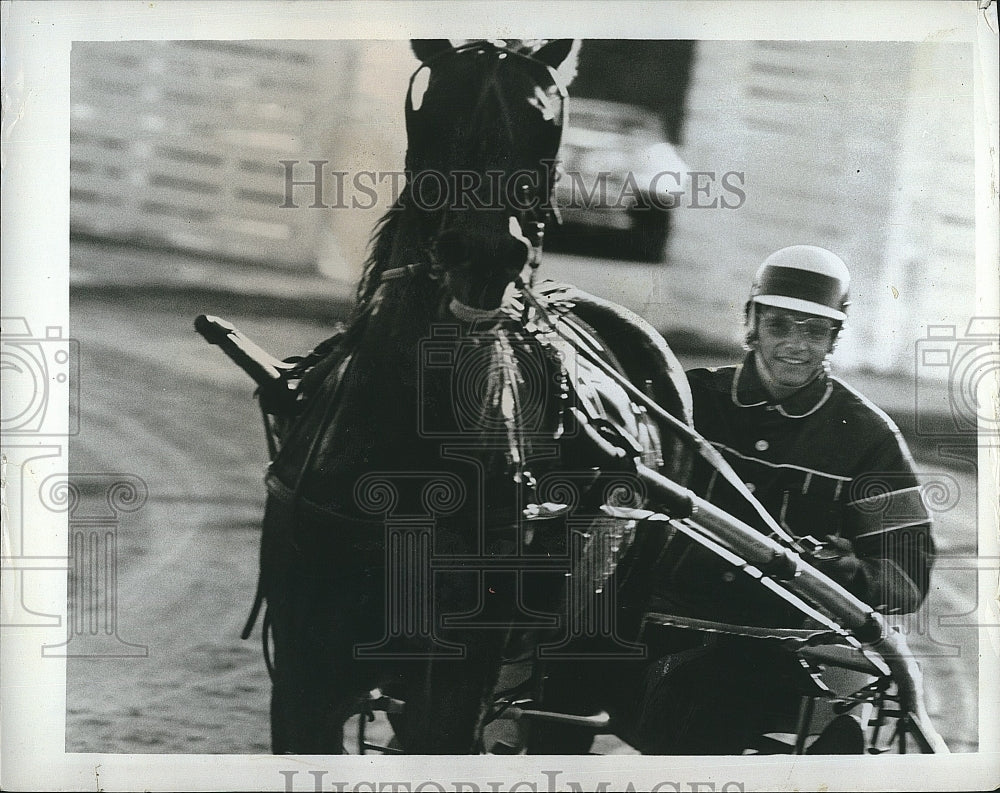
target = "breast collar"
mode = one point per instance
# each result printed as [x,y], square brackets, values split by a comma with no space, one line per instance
[748,391]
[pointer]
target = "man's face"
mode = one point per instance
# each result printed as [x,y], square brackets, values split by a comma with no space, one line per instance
[791,347]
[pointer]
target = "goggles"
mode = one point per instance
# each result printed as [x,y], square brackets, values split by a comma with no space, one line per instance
[814,329]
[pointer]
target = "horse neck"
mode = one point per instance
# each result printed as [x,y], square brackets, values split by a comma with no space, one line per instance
[411,403]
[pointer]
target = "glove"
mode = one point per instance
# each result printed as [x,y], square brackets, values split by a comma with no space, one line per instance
[837,560]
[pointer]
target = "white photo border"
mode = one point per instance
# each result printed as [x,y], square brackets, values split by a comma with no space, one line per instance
[38,38]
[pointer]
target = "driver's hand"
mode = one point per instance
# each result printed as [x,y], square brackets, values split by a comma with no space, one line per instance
[837,560]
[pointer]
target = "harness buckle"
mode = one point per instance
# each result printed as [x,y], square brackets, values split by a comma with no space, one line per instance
[808,545]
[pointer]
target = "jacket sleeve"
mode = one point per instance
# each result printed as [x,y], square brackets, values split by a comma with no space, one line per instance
[889,527]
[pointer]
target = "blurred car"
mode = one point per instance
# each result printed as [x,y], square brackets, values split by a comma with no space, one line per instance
[619,173]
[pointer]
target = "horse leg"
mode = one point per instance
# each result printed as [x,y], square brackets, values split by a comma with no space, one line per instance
[311,693]
[447,696]
[448,700]
[568,687]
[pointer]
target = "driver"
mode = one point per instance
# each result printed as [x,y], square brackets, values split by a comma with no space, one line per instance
[827,464]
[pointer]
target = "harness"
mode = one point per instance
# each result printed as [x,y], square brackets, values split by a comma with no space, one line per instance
[539,314]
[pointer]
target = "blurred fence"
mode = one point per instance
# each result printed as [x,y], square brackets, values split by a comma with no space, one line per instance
[179,143]
[865,148]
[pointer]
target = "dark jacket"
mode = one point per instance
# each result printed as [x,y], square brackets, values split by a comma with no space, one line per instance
[824,462]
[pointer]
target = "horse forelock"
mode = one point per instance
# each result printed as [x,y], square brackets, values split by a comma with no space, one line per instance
[473,92]
[565,70]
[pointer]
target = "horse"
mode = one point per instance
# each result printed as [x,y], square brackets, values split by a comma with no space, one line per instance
[417,515]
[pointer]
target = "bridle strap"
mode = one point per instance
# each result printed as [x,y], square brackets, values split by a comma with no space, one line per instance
[402,272]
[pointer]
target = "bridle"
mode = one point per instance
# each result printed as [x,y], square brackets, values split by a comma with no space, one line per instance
[531,210]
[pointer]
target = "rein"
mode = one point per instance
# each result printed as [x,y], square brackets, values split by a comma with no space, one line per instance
[578,341]
[582,344]
[689,434]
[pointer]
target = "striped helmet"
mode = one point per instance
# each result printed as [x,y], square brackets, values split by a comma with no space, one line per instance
[804,278]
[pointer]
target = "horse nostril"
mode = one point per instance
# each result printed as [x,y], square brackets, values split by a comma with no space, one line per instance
[520,252]
[497,254]
[452,248]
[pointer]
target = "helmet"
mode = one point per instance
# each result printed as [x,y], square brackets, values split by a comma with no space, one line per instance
[803,278]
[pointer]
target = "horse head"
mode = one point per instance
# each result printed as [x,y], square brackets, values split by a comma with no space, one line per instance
[484,122]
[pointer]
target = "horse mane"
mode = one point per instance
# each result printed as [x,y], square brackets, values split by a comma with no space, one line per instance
[388,247]
[380,248]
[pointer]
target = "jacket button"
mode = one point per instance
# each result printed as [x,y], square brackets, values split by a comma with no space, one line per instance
[761,445]
[729,576]
[750,486]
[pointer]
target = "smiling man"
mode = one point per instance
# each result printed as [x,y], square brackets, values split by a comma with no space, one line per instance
[828,465]
[796,309]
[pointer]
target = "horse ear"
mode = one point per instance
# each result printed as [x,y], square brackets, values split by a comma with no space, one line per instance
[554,52]
[561,55]
[425,49]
